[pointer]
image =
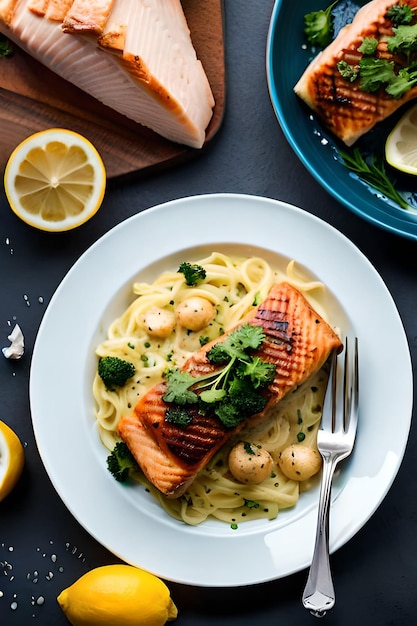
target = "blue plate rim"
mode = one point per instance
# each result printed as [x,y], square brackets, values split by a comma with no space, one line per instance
[395,222]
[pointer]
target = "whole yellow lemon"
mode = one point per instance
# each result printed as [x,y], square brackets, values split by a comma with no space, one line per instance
[12,458]
[120,595]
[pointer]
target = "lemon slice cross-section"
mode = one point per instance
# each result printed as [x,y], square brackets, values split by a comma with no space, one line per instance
[12,459]
[401,144]
[55,180]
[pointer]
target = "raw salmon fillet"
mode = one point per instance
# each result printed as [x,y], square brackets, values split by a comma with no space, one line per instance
[297,341]
[135,56]
[346,110]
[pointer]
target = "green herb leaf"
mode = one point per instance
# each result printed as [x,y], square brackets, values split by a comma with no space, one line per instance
[348,72]
[373,173]
[318,27]
[400,14]
[368,45]
[251,504]
[178,383]
[401,83]
[375,72]
[404,39]
[260,372]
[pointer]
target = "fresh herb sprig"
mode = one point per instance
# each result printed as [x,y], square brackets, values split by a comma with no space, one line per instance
[318,26]
[400,14]
[374,173]
[232,391]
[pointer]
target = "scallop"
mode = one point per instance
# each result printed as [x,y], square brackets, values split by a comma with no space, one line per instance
[299,462]
[195,313]
[250,463]
[159,322]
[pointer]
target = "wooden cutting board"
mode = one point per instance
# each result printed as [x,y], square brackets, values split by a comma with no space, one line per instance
[33,98]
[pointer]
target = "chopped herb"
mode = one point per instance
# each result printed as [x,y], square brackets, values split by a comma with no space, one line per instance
[348,72]
[402,83]
[193,273]
[203,340]
[257,299]
[177,415]
[400,14]
[178,390]
[375,72]
[368,45]
[404,40]
[318,26]
[299,417]
[234,526]
[247,448]
[373,173]
[300,437]
[251,504]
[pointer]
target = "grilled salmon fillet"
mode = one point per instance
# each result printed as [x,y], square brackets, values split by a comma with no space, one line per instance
[343,107]
[135,56]
[297,341]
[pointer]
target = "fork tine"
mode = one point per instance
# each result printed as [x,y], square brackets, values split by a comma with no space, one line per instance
[354,392]
[329,406]
[346,388]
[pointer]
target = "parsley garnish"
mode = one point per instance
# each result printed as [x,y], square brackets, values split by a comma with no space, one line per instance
[318,26]
[232,391]
[400,14]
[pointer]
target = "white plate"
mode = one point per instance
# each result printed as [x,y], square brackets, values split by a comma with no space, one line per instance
[125,519]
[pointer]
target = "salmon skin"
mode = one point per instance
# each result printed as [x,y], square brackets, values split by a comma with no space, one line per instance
[297,341]
[343,107]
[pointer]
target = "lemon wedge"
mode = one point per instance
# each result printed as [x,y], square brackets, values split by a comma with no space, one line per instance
[55,180]
[401,144]
[120,595]
[12,459]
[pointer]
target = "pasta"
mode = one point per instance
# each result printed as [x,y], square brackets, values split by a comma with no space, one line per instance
[233,286]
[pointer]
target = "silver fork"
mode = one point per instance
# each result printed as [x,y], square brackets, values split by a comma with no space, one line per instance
[335,440]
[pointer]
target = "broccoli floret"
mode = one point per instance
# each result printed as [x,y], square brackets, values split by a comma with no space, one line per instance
[121,461]
[192,273]
[115,372]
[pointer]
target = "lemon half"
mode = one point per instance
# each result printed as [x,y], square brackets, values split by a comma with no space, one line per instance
[401,144]
[12,459]
[55,180]
[117,595]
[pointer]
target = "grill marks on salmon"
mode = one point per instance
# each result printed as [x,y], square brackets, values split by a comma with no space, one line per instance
[297,340]
[346,110]
[135,56]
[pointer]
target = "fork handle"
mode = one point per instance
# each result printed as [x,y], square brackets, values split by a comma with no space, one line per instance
[319,594]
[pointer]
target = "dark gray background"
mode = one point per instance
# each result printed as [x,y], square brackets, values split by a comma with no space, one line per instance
[42,547]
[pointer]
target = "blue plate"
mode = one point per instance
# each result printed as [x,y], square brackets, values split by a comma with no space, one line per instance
[287,57]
